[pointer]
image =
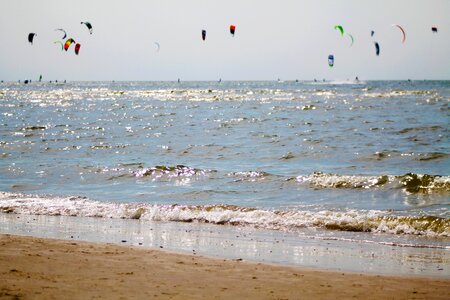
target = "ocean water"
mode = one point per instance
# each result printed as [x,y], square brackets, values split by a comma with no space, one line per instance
[361,162]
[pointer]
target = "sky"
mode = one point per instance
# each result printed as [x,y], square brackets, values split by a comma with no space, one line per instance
[286,39]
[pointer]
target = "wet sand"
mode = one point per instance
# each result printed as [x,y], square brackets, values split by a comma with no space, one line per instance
[233,242]
[36,268]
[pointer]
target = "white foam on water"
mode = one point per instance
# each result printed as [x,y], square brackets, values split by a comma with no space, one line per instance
[349,220]
[411,182]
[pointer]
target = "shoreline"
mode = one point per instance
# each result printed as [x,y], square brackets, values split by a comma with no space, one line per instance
[41,268]
[233,242]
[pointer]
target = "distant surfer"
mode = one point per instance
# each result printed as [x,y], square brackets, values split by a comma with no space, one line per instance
[40,78]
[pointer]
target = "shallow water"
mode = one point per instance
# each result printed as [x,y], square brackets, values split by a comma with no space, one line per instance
[343,157]
[240,243]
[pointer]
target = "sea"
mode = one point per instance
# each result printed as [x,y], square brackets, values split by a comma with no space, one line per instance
[344,164]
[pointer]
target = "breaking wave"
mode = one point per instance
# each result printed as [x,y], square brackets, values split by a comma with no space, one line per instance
[170,172]
[410,182]
[349,220]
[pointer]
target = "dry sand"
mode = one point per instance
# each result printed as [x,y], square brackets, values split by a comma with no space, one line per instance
[36,268]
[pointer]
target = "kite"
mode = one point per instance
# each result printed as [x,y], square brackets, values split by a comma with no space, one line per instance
[341,29]
[434,29]
[351,37]
[402,30]
[61,43]
[68,43]
[88,25]
[31,37]
[77,48]
[232,29]
[65,34]
[377,48]
[331,60]
[203,34]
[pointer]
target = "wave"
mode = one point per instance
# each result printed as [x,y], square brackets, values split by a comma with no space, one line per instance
[170,172]
[399,93]
[387,154]
[410,182]
[350,220]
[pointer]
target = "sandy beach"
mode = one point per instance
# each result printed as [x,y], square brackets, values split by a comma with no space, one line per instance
[36,268]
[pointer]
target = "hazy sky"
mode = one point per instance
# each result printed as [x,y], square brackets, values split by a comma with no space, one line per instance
[287,39]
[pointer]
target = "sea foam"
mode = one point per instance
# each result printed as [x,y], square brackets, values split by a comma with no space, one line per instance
[348,220]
